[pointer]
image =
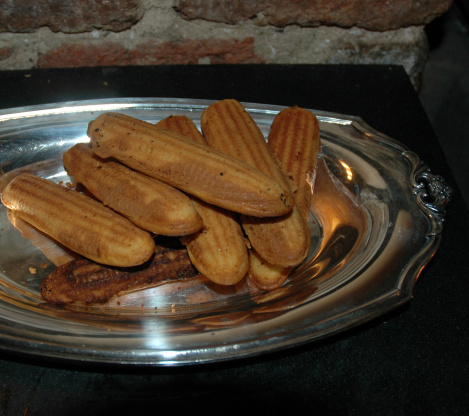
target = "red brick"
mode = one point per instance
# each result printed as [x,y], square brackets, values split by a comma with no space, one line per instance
[5,53]
[69,56]
[229,51]
[70,16]
[369,14]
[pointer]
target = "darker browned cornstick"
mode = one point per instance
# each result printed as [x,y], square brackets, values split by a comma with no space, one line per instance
[85,282]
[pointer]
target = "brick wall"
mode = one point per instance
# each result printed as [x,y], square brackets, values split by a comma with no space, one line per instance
[71,33]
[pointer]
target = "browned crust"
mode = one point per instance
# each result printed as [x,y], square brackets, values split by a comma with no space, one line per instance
[83,281]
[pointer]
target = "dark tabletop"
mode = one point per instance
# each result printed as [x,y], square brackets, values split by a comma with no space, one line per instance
[411,361]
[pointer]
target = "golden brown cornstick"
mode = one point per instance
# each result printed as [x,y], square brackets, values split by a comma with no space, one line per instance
[219,250]
[80,223]
[197,169]
[294,140]
[147,202]
[184,126]
[283,240]
[264,275]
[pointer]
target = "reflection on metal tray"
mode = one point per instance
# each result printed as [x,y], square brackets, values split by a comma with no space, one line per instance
[376,220]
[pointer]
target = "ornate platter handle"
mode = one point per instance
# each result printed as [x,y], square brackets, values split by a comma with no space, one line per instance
[431,191]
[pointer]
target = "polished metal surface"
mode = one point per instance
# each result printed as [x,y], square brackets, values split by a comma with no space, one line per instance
[376,220]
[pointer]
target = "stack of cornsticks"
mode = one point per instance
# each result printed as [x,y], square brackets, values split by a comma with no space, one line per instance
[238,204]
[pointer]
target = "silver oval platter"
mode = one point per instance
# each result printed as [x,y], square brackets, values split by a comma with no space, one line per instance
[376,220]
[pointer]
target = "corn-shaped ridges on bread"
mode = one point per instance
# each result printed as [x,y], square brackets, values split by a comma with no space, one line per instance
[294,140]
[77,221]
[195,168]
[219,250]
[149,203]
[283,240]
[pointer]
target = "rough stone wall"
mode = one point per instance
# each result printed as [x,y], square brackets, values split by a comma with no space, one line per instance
[72,33]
